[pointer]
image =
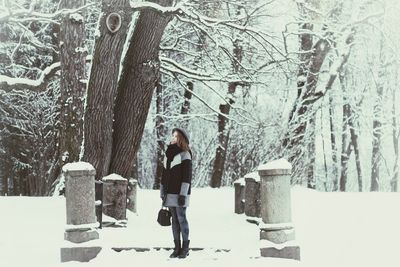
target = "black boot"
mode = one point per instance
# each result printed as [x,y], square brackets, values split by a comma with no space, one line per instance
[185,250]
[177,249]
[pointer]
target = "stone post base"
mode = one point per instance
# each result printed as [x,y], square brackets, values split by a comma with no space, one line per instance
[80,236]
[277,233]
[278,236]
[288,250]
[81,254]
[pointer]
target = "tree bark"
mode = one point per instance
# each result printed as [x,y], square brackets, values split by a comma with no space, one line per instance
[311,56]
[311,182]
[375,162]
[325,161]
[305,56]
[102,88]
[346,152]
[307,81]
[377,124]
[354,142]
[346,145]
[135,88]
[55,35]
[333,144]
[5,183]
[223,138]
[72,62]
[223,131]
[187,95]
[306,92]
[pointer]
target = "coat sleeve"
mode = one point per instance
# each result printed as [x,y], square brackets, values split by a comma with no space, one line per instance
[186,174]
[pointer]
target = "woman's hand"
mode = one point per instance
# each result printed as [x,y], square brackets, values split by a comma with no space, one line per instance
[181,200]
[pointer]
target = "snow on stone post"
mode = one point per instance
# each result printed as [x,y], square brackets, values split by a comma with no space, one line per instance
[80,208]
[276,230]
[239,196]
[252,204]
[132,195]
[114,196]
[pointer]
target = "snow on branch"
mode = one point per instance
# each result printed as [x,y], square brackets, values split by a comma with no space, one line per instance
[170,69]
[211,108]
[251,122]
[189,15]
[182,68]
[186,117]
[23,15]
[233,107]
[178,9]
[213,23]
[9,83]
[34,40]
[338,65]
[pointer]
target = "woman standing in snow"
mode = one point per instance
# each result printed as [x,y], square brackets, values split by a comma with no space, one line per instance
[175,188]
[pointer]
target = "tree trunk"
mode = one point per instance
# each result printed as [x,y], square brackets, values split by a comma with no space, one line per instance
[160,132]
[55,35]
[376,144]
[102,88]
[72,89]
[223,131]
[354,142]
[333,144]
[377,124]
[135,88]
[346,145]
[324,153]
[186,104]
[312,58]
[320,51]
[346,152]
[2,184]
[5,185]
[294,141]
[223,137]
[135,174]
[311,181]
[306,43]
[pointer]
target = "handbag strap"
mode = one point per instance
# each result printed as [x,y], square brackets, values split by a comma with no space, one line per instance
[163,201]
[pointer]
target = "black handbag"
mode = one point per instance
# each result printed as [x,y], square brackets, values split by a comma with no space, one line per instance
[164,217]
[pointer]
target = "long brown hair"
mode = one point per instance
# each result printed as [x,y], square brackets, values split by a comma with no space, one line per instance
[181,142]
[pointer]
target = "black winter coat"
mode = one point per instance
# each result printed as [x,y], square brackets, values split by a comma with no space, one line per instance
[176,176]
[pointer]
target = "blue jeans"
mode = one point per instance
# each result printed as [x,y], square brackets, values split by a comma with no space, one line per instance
[179,223]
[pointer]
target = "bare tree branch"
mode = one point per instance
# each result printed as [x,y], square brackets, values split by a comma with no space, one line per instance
[8,84]
[23,15]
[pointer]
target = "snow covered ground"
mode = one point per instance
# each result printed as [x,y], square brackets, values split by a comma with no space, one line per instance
[332,229]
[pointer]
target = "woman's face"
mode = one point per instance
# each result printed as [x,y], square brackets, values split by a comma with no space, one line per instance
[174,138]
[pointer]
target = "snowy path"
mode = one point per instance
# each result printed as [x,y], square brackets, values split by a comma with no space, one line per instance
[335,229]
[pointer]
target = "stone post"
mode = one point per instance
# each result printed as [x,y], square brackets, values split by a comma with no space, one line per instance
[239,196]
[277,231]
[252,204]
[80,208]
[114,196]
[132,195]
